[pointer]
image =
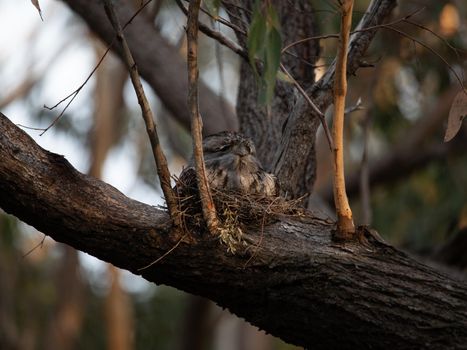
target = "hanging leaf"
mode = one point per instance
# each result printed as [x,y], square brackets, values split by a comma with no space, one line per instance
[457,114]
[256,38]
[213,7]
[38,7]
[273,18]
[272,61]
[264,45]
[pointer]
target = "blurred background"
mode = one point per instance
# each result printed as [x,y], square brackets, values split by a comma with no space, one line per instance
[403,180]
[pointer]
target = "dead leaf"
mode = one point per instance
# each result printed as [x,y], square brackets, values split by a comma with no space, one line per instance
[457,114]
[37,6]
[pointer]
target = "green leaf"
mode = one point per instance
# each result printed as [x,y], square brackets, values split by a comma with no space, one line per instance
[273,18]
[256,38]
[264,44]
[213,7]
[272,62]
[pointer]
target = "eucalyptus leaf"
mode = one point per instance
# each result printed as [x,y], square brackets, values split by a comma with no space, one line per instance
[213,7]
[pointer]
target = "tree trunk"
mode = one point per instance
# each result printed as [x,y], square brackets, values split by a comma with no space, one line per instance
[285,135]
[299,285]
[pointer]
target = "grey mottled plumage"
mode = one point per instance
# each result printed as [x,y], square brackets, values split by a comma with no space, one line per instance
[231,165]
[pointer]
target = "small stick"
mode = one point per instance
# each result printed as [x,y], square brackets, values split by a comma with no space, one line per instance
[207,204]
[163,255]
[159,157]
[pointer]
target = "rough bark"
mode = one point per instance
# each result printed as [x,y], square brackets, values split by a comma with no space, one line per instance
[298,140]
[297,22]
[159,63]
[300,286]
[286,136]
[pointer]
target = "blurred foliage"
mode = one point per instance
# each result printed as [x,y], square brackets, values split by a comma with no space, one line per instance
[264,44]
[157,315]
[25,300]
[420,212]
[159,319]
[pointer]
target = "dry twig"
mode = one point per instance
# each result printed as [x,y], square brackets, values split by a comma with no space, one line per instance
[207,204]
[75,93]
[216,35]
[159,157]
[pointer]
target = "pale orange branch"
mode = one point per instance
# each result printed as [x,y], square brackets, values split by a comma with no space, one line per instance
[209,210]
[345,224]
[159,157]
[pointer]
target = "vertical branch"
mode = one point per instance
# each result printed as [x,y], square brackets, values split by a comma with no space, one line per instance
[345,225]
[209,210]
[159,157]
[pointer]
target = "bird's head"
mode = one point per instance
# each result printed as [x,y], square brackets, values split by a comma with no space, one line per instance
[228,142]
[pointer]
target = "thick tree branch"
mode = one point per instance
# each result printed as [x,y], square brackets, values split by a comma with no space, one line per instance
[300,285]
[160,64]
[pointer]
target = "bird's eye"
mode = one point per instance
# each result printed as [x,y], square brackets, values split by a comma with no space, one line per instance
[223,148]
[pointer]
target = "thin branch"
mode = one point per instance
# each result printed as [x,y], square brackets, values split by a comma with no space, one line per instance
[159,157]
[446,42]
[433,51]
[163,255]
[216,35]
[224,22]
[313,106]
[40,244]
[222,39]
[209,210]
[74,93]
[304,40]
[336,36]
[345,225]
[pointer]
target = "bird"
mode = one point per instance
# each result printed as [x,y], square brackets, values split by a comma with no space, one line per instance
[232,166]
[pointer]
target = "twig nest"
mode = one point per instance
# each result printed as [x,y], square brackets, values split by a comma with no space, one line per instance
[236,212]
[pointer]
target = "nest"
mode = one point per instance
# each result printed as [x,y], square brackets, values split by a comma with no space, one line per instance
[236,212]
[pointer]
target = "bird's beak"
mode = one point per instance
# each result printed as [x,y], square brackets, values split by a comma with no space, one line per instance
[244,149]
